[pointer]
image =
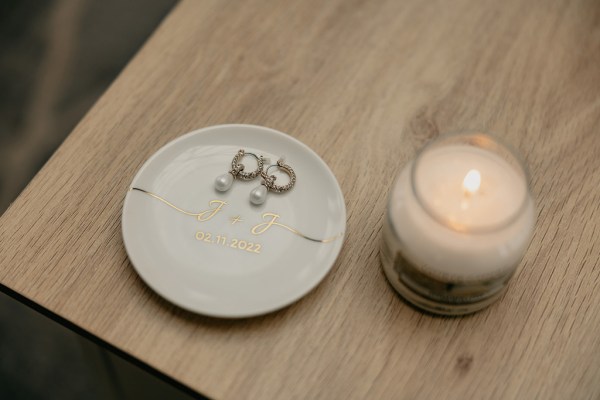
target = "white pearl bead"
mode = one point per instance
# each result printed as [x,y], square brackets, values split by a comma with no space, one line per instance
[258,195]
[223,182]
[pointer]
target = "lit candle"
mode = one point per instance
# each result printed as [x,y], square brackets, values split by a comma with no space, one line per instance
[460,217]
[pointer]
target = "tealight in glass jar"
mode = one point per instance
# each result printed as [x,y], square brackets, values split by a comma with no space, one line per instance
[459,219]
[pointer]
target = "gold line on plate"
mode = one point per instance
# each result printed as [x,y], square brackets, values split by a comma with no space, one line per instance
[271,223]
[167,202]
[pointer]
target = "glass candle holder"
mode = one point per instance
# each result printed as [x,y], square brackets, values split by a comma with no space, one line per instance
[459,219]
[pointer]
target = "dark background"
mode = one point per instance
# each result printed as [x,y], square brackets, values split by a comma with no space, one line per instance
[56,58]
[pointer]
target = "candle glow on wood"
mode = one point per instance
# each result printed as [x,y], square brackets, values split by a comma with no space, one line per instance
[460,218]
[460,200]
[472,181]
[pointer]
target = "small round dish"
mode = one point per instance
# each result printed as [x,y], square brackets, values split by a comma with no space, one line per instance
[215,253]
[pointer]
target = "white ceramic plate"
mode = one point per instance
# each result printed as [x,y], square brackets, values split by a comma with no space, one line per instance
[232,261]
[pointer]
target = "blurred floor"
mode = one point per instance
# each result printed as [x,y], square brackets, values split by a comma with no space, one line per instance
[42,359]
[56,59]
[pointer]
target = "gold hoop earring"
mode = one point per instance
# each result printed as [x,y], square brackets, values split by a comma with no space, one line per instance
[224,182]
[258,195]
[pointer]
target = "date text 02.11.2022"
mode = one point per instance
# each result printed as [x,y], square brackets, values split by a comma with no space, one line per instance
[233,243]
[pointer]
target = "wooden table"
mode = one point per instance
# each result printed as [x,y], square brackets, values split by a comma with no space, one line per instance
[364,84]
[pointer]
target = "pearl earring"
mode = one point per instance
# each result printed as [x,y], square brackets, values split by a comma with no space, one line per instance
[258,195]
[224,182]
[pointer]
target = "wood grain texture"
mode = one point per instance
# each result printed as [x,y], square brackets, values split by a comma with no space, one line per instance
[365,84]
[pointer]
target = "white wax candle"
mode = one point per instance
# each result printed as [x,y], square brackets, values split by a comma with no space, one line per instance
[466,214]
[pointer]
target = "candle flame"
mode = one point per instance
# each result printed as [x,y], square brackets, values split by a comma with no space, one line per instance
[472,181]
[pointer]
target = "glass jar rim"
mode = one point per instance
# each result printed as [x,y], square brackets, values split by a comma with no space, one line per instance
[485,141]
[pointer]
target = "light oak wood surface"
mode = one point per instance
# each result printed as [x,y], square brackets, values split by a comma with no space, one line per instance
[365,84]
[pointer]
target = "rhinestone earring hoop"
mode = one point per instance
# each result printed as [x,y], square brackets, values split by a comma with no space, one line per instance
[224,182]
[258,195]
